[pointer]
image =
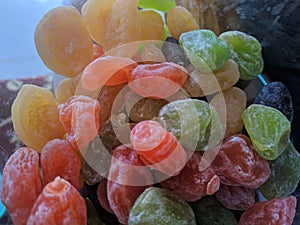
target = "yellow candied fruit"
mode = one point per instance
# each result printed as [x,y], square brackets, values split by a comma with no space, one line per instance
[63,42]
[66,89]
[180,20]
[95,14]
[35,117]
[152,25]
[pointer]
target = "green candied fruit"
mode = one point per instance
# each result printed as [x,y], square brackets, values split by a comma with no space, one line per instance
[160,207]
[285,174]
[209,211]
[188,117]
[205,50]
[268,128]
[160,5]
[246,52]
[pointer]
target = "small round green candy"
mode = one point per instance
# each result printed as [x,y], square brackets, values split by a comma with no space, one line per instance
[268,128]
[160,207]
[205,50]
[246,52]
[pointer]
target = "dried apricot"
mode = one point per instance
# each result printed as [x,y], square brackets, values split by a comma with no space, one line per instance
[59,203]
[21,184]
[59,158]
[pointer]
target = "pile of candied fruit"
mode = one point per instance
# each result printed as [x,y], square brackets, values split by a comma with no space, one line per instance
[153,117]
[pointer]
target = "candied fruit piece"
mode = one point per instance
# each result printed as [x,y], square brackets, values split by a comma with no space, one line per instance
[122,24]
[159,80]
[152,25]
[66,89]
[285,174]
[102,195]
[268,129]
[192,184]
[157,147]
[234,100]
[35,116]
[236,197]
[59,158]
[63,42]
[21,184]
[128,178]
[246,52]
[278,211]
[238,164]
[276,95]
[95,14]
[205,50]
[180,20]
[188,117]
[161,207]
[59,203]
[88,174]
[107,70]
[208,211]
[80,118]
[163,6]
[149,53]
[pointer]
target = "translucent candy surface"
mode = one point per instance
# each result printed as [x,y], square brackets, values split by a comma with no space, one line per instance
[268,129]
[205,50]
[66,89]
[285,174]
[180,20]
[64,45]
[162,207]
[246,51]
[35,116]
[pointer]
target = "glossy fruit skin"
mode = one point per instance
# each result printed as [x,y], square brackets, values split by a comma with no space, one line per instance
[59,203]
[21,184]
[238,164]
[277,211]
[162,207]
[64,45]
[59,158]
[128,177]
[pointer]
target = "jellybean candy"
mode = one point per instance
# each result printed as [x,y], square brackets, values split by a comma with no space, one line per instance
[35,116]
[162,207]
[278,211]
[180,20]
[95,14]
[246,51]
[59,158]
[209,211]
[276,95]
[236,197]
[194,122]
[59,203]
[285,174]
[128,178]
[234,100]
[201,84]
[64,45]
[191,184]
[159,80]
[268,129]
[80,118]
[205,50]
[158,148]
[238,164]
[21,184]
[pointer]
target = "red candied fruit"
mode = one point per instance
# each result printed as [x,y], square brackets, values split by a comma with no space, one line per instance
[279,211]
[59,158]
[158,148]
[59,203]
[191,184]
[102,195]
[238,164]
[128,178]
[235,197]
[157,81]
[21,184]
[80,118]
